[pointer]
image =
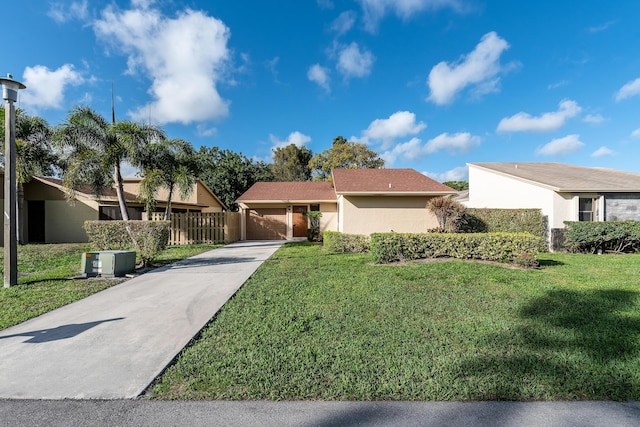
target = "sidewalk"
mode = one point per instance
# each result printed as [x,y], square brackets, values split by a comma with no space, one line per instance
[113,344]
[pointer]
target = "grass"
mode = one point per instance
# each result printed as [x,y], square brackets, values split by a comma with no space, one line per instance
[44,281]
[312,325]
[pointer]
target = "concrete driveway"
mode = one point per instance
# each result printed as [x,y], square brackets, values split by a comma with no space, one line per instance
[113,344]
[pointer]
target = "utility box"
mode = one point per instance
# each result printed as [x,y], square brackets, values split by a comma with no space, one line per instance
[107,263]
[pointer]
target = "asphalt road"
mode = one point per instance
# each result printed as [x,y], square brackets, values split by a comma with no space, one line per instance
[124,413]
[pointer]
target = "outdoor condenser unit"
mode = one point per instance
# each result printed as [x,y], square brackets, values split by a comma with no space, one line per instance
[108,263]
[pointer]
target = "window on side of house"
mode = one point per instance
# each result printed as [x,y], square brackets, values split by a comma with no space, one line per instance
[314,207]
[587,209]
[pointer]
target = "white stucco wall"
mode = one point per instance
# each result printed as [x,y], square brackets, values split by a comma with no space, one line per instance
[492,190]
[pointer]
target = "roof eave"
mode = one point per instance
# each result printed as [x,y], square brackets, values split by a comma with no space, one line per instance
[395,193]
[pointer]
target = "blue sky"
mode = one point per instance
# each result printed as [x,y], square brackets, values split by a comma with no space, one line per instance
[428,84]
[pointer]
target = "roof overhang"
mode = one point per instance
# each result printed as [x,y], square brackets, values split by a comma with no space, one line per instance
[286,201]
[396,193]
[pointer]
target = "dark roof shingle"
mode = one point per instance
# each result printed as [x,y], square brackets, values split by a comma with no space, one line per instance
[289,191]
[386,181]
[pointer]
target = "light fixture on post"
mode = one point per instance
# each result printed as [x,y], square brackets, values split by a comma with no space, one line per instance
[10,89]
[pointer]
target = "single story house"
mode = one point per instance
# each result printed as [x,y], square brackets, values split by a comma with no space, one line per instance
[356,201]
[49,218]
[563,192]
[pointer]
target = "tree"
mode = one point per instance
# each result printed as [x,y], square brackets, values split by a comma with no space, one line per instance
[34,155]
[229,174]
[291,163]
[94,150]
[457,185]
[171,164]
[448,212]
[343,154]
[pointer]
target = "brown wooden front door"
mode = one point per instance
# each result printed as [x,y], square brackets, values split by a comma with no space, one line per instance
[299,221]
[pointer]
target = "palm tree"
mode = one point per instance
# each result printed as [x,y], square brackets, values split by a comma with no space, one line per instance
[170,164]
[94,150]
[34,155]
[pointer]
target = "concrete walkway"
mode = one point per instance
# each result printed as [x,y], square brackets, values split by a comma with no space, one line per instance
[113,344]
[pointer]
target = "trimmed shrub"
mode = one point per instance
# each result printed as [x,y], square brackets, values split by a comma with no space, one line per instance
[335,241]
[449,213]
[608,236]
[506,221]
[501,247]
[149,238]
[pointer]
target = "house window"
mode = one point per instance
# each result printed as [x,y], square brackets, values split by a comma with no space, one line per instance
[314,207]
[587,209]
[113,213]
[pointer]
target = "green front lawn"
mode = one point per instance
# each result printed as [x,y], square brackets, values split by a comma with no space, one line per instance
[44,278]
[314,325]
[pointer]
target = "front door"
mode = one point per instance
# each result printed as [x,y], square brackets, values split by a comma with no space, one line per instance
[299,221]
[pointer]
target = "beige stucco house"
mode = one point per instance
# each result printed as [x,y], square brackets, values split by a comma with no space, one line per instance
[563,192]
[49,218]
[357,201]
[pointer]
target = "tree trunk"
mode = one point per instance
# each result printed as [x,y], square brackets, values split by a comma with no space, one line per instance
[167,210]
[120,192]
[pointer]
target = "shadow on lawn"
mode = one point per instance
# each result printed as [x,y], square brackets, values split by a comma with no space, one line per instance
[569,345]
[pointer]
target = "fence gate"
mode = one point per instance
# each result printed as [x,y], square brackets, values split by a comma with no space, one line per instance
[196,227]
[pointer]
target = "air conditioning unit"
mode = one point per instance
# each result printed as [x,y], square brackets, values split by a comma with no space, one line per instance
[107,263]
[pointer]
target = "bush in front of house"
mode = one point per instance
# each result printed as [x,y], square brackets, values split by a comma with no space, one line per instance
[149,238]
[520,248]
[481,220]
[335,241]
[608,236]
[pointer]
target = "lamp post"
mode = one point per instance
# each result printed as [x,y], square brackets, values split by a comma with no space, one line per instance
[10,89]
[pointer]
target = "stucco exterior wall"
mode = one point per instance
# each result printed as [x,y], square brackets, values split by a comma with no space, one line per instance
[378,214]
[329,218]
[492,190]
[63,222]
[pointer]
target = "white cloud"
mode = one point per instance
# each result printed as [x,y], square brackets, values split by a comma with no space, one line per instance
[203,130]
[562,146]
[128,171]
[593,119]
[408,151]
[635,133]
[481,68]
[602,152]
[375,10]
[185,57]
[524,122]
[353,62]
[297,138]
[45,87]
[325,4]
[399,124]
[558,84]
[599,28]
[61,12]
[460,173]
[343,23]
[320,76]
[457,143]
[630,89]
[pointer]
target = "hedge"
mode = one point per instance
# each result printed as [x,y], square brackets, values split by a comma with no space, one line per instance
[608,236]
[335,241]
[520,248]
[147,237]
[530,221]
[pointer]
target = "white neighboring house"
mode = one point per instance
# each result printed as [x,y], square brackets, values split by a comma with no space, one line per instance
[563,192]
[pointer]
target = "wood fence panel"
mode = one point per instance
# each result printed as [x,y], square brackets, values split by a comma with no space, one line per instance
[196,227]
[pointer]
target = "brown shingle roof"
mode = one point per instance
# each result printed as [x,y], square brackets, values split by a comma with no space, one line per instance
[86,190]
[567,178]
[289,191]
[386,181]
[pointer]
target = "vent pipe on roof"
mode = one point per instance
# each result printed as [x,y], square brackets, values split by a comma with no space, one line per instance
[389,185]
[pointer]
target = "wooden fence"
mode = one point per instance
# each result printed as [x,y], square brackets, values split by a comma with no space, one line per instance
[195,227]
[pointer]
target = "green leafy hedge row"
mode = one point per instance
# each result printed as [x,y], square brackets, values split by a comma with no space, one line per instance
[608,236]
[335,241]
[149,238]
[518,248]
[530,221]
